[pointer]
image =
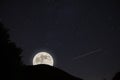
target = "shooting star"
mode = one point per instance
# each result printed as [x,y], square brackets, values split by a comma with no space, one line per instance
[87,54]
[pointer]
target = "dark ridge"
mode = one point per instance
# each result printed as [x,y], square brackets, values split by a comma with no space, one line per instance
[117,76]
[45,72]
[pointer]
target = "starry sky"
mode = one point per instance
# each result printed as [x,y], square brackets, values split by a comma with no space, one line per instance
[83,36]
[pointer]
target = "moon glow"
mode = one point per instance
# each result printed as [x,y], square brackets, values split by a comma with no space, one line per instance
[43,58]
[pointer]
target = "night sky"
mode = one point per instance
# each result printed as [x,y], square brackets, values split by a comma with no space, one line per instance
[83,36]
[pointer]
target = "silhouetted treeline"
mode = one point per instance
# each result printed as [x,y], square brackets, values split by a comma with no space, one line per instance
[8,49]
[9,53]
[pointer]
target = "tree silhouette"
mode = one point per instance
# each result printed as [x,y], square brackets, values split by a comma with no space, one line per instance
[9,53]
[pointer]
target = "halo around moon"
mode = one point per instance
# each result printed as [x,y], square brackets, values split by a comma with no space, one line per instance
[43,58]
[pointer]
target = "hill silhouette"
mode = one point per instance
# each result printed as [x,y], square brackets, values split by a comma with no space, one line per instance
[117,76]
[44,72]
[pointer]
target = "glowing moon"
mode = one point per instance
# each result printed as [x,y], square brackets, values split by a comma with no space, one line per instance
[43,58]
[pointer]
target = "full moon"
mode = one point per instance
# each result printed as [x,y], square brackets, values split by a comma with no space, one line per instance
[43,58]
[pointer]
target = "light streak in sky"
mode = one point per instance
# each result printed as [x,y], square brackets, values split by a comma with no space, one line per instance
[87,54]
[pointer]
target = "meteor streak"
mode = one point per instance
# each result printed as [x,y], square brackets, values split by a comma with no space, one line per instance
[87,54]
